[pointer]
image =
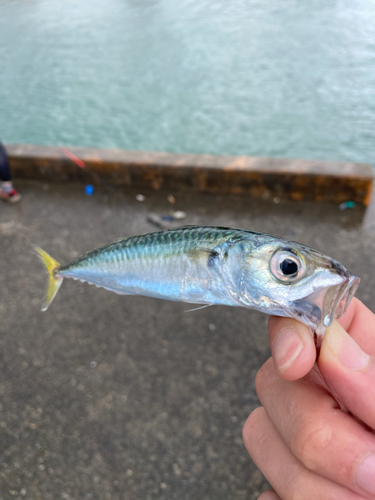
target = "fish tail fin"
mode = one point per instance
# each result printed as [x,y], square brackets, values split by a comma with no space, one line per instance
[54,281]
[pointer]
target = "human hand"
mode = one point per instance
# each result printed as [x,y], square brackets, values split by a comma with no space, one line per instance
[306,443]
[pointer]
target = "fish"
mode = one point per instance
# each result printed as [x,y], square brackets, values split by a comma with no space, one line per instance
[217,265]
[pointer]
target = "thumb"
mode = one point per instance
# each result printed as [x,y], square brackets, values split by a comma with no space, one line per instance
[292,347]
[349,373]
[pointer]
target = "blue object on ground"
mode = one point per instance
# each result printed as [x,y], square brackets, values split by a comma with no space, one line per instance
[89,189]
[347,204]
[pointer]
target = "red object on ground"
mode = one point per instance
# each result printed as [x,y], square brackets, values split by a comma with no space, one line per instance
[73,157]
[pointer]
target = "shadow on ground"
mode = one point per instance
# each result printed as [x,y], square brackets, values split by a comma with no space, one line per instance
[112,397]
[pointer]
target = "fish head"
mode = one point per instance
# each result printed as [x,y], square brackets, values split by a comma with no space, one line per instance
[288,279]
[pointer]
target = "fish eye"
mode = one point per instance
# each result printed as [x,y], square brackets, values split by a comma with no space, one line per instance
[286,265]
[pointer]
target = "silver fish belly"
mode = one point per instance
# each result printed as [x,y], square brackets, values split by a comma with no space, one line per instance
[214,265]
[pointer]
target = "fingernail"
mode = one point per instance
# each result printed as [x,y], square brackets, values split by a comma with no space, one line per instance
[343,346]
[365,476]
[286,347]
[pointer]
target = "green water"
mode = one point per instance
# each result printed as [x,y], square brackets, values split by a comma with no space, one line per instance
[284,79]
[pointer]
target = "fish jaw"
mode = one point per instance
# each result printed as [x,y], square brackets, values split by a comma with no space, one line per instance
[318,309]
[322,292]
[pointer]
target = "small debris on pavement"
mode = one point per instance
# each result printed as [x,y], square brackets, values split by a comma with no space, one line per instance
[178,215]
[171,199]
[347,204]
[160,221]
[140,197]
[165,221]
[89,189]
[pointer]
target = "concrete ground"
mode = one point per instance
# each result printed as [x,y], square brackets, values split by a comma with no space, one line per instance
[113,397]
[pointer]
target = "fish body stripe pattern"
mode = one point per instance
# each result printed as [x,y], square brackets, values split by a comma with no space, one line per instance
[159,244]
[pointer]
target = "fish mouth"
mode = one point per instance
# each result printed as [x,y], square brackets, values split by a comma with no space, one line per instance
[318,309]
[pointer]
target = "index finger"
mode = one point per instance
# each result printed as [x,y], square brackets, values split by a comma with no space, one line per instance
[322,437]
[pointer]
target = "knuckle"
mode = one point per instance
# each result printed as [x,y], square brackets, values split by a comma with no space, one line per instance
[260,376]
[263,377]
[269,495]
[296,485]
[252,430]
[311,441]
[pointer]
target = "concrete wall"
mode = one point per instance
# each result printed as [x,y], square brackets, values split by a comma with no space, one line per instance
[261,177]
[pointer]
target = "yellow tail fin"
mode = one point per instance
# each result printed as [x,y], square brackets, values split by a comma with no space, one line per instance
[54,282]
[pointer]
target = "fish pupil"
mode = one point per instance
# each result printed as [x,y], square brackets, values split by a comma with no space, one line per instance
[288,267]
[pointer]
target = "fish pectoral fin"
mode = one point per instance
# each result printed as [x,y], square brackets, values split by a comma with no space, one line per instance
[210,254]
[198,253]
[197,308]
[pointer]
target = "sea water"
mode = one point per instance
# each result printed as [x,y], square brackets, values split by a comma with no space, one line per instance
[282,79]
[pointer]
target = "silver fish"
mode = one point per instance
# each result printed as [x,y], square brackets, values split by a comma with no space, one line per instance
[218,265]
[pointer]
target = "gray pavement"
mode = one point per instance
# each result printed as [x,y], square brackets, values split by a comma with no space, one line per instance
[112,397]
